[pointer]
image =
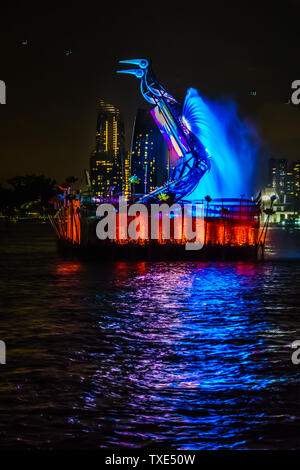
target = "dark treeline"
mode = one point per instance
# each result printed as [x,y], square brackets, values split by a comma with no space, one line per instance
[25,195]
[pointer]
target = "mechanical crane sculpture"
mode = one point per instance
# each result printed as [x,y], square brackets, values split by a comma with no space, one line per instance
[193,160]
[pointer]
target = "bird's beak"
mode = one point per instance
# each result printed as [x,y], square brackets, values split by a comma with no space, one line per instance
[142,63]
[137,72]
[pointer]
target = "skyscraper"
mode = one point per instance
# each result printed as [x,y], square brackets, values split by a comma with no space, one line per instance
[293,184]
[278,168]
[284,178]
[149,162]
[106,160]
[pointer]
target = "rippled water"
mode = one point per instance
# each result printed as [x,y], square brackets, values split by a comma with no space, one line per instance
[183,355]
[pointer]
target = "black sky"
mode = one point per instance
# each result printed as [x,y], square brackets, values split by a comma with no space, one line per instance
[48,123]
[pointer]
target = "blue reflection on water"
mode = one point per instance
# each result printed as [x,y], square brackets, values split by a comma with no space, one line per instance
[192,352]
[184,355]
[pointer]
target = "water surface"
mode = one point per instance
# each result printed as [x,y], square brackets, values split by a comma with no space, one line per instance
[182,355]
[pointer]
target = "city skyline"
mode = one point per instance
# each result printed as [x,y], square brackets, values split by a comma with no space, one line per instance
[55,75]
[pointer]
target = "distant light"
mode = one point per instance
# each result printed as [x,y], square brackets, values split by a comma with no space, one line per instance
[68,52]
[24,42]
[266,198]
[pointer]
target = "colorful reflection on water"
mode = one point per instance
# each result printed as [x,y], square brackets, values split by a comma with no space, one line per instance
[182,355]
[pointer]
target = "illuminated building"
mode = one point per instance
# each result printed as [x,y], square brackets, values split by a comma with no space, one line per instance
[278,168]
[106,159]
[126,176]
[148,154]
[285,180]
[283,211]
[295,186]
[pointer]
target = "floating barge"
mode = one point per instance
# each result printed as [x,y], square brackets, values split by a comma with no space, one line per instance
[231,232]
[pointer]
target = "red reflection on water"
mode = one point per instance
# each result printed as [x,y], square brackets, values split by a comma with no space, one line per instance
[123,267]
[246,268]
[68,267]
[141,267]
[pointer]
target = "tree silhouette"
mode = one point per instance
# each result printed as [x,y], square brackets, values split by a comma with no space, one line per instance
[31,188]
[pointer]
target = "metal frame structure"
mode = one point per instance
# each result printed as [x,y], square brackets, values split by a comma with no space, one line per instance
[193,159]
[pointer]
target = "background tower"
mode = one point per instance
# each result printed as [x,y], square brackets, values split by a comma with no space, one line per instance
[149,155]
[106,161]
[278,168]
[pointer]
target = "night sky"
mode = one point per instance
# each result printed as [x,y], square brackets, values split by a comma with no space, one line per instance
[48,123]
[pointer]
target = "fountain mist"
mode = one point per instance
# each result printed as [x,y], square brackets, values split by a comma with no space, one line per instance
[229,141]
